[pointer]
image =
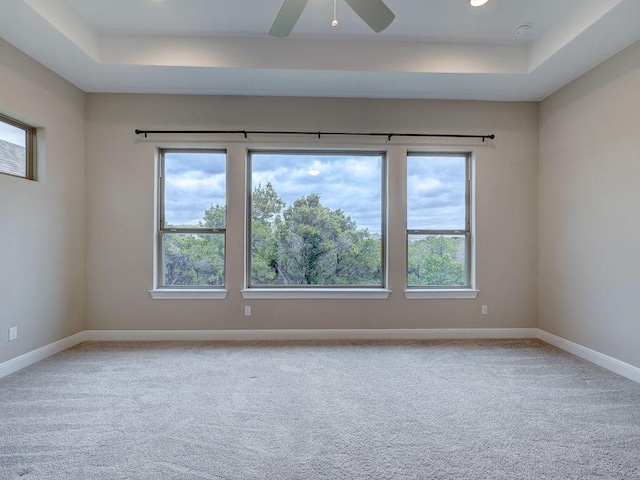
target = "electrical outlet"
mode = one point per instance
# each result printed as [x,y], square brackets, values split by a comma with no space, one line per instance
[247,310]
[484,310]
[13,333]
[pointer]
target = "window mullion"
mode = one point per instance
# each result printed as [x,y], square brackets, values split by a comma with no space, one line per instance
[193,230]
[437,232]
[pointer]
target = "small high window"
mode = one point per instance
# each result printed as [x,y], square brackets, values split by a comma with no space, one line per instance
[17,145]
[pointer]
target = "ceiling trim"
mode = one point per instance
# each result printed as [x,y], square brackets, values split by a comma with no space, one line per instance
[51,32]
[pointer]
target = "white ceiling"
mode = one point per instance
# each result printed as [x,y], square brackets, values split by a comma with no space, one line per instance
[433,49]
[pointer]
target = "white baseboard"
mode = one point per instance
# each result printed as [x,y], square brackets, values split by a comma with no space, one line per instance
[617,366]
[18,363]
[613,364]
[308,334]
[35,356]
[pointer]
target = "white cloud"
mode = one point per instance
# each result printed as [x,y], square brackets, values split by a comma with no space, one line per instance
[192,189]
[436,186]
[350,183]
[12,134]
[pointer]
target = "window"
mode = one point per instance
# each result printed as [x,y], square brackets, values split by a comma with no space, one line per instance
[192,223]
[17,142]
[315,219]
[438,221]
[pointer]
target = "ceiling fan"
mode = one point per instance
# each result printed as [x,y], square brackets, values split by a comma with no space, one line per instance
[374,13]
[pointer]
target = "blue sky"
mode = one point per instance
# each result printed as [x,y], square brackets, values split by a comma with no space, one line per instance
[436,192]
[342,181]
[193,182]
[435,186]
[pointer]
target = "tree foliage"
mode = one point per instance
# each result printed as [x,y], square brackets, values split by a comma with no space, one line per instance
[315,245]
[196,258]
[266,203]
[214,217]
[193,259]
[436,260]
[305,243]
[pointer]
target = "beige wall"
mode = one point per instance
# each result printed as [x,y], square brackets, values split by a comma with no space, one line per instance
[589,271]
[120,185]
[557,229]
[42,255]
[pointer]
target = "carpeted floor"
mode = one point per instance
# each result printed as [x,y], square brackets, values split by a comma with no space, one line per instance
[340,410]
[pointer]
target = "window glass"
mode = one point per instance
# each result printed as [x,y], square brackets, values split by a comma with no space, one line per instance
[438,224]
[15,155]
[194,182]
[193,219]
[436,193]
[193,259]
[316,219]
[437,260]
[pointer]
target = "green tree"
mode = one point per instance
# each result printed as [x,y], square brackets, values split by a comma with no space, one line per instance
[436,260]
[194,259]
[214,217]
[197,259]
[265,202]
[315,245]
[266,206]
[305,243]
[176,261]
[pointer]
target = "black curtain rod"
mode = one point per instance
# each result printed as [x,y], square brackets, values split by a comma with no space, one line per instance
[319,134]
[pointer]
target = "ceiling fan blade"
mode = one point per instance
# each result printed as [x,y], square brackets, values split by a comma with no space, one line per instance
[374,13]
[287,17]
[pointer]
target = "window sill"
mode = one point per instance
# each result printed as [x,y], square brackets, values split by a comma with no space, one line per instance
[180,294]
[416,294]
[315,293]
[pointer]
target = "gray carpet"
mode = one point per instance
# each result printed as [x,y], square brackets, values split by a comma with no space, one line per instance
[339,410]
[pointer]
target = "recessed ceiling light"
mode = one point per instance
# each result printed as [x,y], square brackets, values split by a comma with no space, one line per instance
[477,3]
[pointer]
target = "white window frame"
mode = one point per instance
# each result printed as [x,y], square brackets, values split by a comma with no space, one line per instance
[317,291]
[444,292]
[175,292]
[30,147]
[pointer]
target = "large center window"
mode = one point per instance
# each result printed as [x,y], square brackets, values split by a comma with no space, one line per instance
[316,219]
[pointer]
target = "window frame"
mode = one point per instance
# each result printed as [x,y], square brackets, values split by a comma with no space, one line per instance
[251,291]
[30,147]
[443,291]
[162,291]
